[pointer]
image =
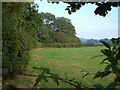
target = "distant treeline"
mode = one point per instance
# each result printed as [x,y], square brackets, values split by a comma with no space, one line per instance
[95,42]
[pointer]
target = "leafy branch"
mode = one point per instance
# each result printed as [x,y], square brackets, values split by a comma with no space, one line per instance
[112,54]
[45,74]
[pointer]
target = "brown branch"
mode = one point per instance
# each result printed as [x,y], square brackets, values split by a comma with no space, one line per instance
[56,78]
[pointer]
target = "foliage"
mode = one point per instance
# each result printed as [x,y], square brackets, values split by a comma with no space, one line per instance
[102,6]
[62,37]
[56,30]
[22,26]
[45,74]
[42,76]
[113,57]
[18,37]
[63,24]
[49,20]
[45,35]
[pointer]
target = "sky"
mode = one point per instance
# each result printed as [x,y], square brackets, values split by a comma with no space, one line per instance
[87,24]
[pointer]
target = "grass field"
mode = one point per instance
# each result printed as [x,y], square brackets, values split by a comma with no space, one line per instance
[75,62]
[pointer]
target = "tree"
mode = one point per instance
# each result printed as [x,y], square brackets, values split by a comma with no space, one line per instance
[18,32]
[102,7]
[56,30]
[64,25]
[45,35]
[49,20]
[14,48]
[62,37]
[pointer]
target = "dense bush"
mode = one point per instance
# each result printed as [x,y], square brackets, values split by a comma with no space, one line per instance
[16,41]
[15,55]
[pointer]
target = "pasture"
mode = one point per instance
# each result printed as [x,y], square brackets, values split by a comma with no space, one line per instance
[74,62]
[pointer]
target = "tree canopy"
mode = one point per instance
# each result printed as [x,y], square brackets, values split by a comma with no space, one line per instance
[56,29]
[102,6]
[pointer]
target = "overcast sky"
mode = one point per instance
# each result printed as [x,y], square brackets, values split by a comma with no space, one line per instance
[87,24]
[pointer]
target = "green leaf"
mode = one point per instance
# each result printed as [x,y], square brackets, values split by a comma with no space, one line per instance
[38,79]
[69,11]
[67,8]
[42,68]
[105,60]
[113,40]
[118,54]
[107,68]
[96,56]
[54,75]
[106,52]
[114,47]
[118,40]
[105,74]
[100,74]
[73,10]
[85,75]
[45,78]
[106,44]
[98,86]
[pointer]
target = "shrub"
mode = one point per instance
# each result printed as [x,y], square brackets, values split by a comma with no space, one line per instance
[16,41]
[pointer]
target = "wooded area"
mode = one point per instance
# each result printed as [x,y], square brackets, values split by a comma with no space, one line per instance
[23,29]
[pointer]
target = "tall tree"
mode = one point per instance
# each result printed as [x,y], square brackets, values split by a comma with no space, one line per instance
[64,25]
[58,29]
[48,20]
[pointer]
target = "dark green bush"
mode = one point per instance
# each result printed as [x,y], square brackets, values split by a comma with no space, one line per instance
[16,41]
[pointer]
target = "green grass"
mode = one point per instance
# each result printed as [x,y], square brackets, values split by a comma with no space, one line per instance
[75,62]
